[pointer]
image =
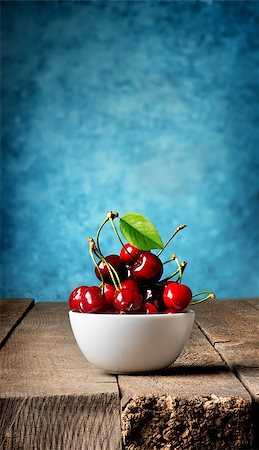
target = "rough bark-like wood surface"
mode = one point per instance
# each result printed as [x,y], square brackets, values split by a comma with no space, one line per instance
[12,311]
[197,403]
[52,398]
[173,423]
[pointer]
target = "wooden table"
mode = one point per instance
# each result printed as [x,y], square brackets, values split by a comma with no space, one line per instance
[53,399]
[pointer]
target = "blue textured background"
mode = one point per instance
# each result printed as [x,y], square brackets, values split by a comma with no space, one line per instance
[147,107]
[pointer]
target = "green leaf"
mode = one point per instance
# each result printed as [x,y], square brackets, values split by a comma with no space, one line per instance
[140,232]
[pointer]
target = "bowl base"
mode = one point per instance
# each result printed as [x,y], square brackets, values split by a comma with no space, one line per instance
[136,372]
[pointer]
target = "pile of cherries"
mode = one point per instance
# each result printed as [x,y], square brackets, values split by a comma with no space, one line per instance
[139,290]
[131,284]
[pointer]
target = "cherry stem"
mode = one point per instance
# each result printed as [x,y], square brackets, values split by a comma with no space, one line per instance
[109,217]
[111,270]
[170,276]
[180,270]
[183,265]
[109,266]
[116,274]
[168,260]
[209,296]
[97,267]
[98,234]
[181,227]
[118,236]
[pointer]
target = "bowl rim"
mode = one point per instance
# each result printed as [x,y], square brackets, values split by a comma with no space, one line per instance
[177,314]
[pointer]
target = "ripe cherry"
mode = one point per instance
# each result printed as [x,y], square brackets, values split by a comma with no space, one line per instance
[109,289]
[118,265]
[130,255]
[127,300]
[76,296]
[149,308]
[177,296]
[147,268]
[108,292]
[92,301]
[154,294]
[130,284]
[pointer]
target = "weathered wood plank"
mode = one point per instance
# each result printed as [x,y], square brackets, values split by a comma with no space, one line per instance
[253,302]
[12,311]
[233,328]
[250,379]
[232,322]
[52,397]
[196,403]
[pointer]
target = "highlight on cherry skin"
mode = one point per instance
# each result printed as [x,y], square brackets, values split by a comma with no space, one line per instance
[127,300]
[129,254]
[148,268]
[131,282]
[115,262]
[177,296]
[76,297]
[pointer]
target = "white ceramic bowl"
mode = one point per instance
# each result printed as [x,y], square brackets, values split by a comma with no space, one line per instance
[130,343]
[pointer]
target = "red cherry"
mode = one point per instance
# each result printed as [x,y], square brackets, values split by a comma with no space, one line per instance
[76,296]
[149,308]
[177,296]
[127,300]
[118,265]
[92,301]
[130,284]
[154,295]
[128,275]
[108,293]
[130,255]
[147,268]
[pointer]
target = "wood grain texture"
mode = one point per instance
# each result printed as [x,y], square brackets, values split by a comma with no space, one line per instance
[52,398]
[196,403]
[250,379]
[233,328]
[253,302]
[12,311]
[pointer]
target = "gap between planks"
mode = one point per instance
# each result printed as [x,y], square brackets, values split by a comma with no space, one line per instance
[12,312]
[239,321]
[232,327]
[193,368]
[51,396]
[196,403]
